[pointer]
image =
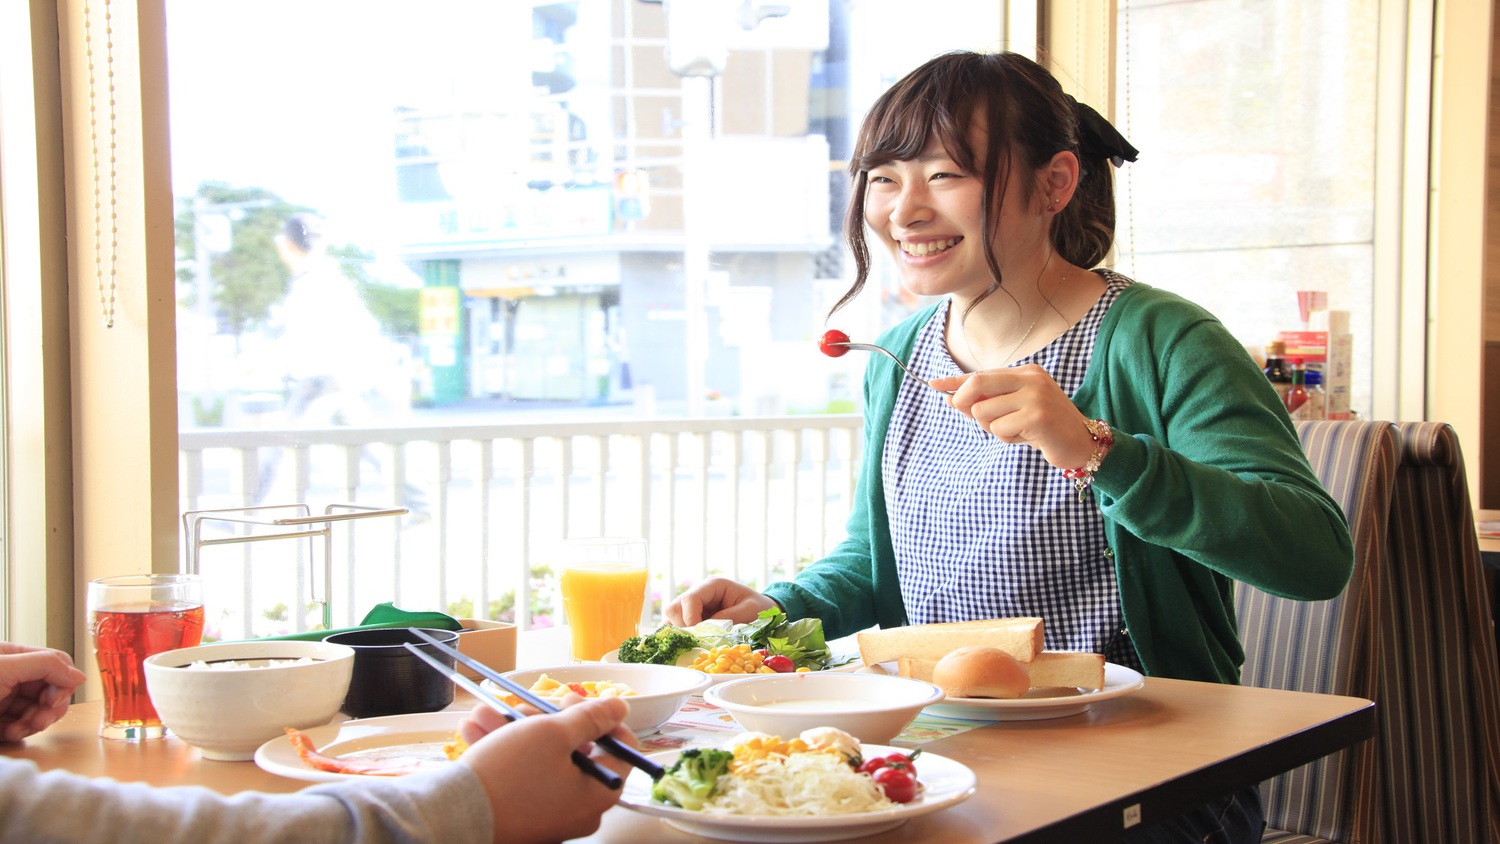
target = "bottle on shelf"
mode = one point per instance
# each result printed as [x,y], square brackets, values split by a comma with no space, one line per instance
[1296,395]
[1316,406]
[1276,368]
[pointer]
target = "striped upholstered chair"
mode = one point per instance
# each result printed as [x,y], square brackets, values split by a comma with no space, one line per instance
[1440,731]
[1334,646]
[1412,632]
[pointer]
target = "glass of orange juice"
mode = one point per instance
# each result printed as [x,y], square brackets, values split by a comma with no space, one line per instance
[604,592]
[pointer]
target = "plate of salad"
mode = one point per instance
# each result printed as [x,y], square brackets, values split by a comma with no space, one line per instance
[822,786]
[771,644]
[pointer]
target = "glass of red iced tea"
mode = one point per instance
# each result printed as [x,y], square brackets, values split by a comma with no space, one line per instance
[132,617]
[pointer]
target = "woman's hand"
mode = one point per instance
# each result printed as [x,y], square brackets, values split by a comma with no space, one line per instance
[1022,404]
[717,597]
[536,792]
[35,684]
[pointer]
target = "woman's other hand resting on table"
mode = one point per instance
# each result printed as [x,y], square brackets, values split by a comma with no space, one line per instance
[717,597]
[35,685]
[536,792]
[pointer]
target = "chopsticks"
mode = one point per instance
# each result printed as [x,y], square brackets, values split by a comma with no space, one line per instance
[610,744]
[587,765]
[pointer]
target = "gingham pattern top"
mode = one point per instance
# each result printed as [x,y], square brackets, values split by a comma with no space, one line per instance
[983,529]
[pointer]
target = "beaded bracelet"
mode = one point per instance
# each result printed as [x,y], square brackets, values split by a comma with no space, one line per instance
[1103,438]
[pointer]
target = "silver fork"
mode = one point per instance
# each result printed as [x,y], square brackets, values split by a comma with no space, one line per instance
[871,347]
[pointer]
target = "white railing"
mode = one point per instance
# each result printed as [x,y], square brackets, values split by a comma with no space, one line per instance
[749,498]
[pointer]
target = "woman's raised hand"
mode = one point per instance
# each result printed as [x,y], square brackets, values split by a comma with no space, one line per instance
[717,597]
[1022,404]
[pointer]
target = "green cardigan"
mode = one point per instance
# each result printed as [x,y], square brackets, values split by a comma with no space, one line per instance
[1206,483]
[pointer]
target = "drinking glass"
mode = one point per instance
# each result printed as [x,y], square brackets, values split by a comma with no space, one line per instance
[132,617]
[604,592]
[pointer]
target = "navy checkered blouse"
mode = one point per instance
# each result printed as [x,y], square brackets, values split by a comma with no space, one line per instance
[983,529]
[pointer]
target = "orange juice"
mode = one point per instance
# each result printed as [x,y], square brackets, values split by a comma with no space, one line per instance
[603,603]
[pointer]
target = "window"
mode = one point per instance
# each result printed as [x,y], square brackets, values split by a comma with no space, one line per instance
[1257,176]
[522,211]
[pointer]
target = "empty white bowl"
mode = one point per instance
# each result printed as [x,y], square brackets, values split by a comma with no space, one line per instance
[660,690]
[228,712]
[870,707]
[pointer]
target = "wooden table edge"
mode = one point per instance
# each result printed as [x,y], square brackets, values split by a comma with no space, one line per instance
[1106,821]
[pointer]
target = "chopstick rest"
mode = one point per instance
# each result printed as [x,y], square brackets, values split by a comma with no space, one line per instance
[611,745]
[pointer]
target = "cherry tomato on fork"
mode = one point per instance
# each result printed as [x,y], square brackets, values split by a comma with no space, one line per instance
[828,344]
[898,784]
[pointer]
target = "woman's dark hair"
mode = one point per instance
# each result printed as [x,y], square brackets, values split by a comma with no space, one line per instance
[1027,115]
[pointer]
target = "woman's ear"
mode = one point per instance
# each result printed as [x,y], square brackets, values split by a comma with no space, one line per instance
[1059,179]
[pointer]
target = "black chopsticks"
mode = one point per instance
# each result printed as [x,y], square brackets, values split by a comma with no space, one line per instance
[609,743]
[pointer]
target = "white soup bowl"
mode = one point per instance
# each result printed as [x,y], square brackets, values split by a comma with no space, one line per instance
[228,712]
[870,707]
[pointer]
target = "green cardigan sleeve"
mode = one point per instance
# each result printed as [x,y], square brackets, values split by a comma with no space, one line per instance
[1208,462]
[1207,484]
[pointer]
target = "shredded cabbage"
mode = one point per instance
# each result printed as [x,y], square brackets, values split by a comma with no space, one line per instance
[804,784]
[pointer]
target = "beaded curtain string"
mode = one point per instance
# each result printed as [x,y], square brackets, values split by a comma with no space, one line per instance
[106,283]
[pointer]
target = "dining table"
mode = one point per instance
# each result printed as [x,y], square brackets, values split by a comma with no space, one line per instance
[1125,761]
[1487,523]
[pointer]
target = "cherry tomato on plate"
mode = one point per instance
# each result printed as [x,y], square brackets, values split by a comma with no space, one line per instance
[780,663]
[898,784]
[900,761]
[828,344]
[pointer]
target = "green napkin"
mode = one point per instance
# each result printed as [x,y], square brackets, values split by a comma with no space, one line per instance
[383,615]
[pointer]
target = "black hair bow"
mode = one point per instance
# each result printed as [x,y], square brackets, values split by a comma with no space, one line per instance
[1097,138]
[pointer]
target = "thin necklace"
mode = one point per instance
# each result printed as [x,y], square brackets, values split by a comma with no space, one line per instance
[964,331]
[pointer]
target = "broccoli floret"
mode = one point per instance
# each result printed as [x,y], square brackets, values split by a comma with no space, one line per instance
[659,648]
[691,779]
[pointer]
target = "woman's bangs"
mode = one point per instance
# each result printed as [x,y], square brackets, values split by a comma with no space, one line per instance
[904,137]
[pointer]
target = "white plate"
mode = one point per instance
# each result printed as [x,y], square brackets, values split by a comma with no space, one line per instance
[944,783]
[422,734]
[715,679]
[1039,704]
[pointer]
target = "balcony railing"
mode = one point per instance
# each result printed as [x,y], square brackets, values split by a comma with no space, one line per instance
[753,499]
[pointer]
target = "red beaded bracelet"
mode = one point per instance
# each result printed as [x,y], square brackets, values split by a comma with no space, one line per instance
[1103,438]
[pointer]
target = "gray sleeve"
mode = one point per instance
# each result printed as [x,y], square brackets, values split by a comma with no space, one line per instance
[58,807]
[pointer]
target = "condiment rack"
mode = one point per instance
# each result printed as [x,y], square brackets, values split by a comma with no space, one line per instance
[260,524]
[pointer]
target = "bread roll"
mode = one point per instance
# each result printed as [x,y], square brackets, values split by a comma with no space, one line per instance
[1020,637]
[981,671]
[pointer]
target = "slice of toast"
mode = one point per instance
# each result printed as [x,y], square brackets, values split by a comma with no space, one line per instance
[1067,669]
[1020,637]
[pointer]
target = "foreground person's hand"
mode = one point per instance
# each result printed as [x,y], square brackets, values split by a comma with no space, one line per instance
[717,597]
[35,685]
[536,792]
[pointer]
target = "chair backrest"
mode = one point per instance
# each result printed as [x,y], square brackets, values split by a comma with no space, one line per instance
[1413,632]
[1440,727]
[1335,646]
